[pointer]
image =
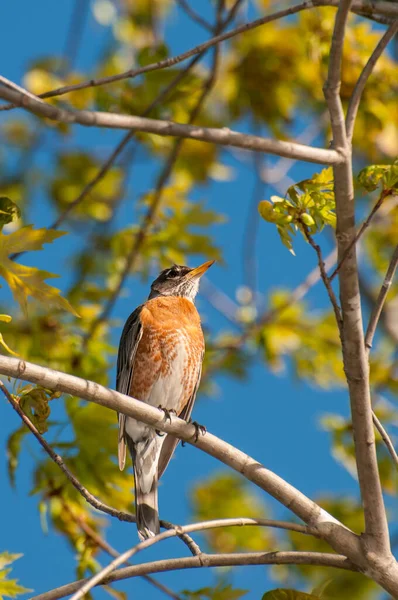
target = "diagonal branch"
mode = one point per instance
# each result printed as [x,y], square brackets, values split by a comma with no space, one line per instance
[157,197]
[360,231]
[103,544]
[171,61]
[194,15]
[222,136]
[381,298]
[366,73]
[307,510]
[364,7]
[210,560]
[90,498]
[386,439]
[325,278]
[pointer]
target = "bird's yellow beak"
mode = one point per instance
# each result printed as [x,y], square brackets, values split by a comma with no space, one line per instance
[198,271]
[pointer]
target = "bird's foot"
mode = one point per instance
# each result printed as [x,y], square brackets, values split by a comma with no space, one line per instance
[167,413]
[167,417]
[199,429]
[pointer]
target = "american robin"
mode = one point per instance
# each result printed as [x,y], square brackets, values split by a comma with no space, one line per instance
[159,362]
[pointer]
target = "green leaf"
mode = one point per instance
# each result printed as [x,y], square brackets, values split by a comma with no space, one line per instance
[34,403]
[14,444]
[310,202]
[285,594]
[9,588]
[385,176]
[9,211]
[29,281]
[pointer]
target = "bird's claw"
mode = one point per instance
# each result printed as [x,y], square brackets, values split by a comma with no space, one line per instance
[167,413]
[167,417]
[199,429]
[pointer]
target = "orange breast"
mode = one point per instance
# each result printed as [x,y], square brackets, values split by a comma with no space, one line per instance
[171,346]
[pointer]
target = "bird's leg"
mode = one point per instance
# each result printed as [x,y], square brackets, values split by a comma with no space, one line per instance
[167,417]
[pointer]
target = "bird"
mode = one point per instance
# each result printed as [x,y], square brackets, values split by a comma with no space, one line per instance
[159,362]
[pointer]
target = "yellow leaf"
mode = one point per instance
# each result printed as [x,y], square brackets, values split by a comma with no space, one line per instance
[29,281]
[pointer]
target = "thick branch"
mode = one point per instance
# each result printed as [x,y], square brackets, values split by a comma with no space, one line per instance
[307,510]
[222,136]
[356,367]
[210,560]
[90,498]
[367,71]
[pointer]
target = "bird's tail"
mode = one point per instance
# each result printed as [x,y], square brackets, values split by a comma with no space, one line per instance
[145,456]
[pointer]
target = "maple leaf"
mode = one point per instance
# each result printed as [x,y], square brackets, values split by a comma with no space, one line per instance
[29,281]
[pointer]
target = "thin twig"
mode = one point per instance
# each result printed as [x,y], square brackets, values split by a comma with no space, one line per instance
[386,8]
[378,307]
[325,278]
[204,526]
[171,61]
[362,81]
[211,560]
[122,144]
[386,439]
[153,207]
[194,15]
[122,516]
[359,233]
[106,547]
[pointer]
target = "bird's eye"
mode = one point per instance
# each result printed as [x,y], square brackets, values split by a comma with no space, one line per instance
[173,273]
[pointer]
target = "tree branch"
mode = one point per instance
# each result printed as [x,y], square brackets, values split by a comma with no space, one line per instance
[157,197]
[367,71]
[122,516]
[359,233]
[221,136]
[317,518]
[325,278]
[103,544]
[376,539]
[211,560]
[194,15]
[171,61]
[378,307]
[332,86]
[203,526]
[364,7]
[386,439]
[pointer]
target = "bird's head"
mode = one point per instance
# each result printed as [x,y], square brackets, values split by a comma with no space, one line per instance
[179,280]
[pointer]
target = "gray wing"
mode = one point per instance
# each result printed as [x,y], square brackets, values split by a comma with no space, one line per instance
[131,335]
[170,442]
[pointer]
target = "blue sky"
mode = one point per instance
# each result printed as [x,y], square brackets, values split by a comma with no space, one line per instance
[273,418]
